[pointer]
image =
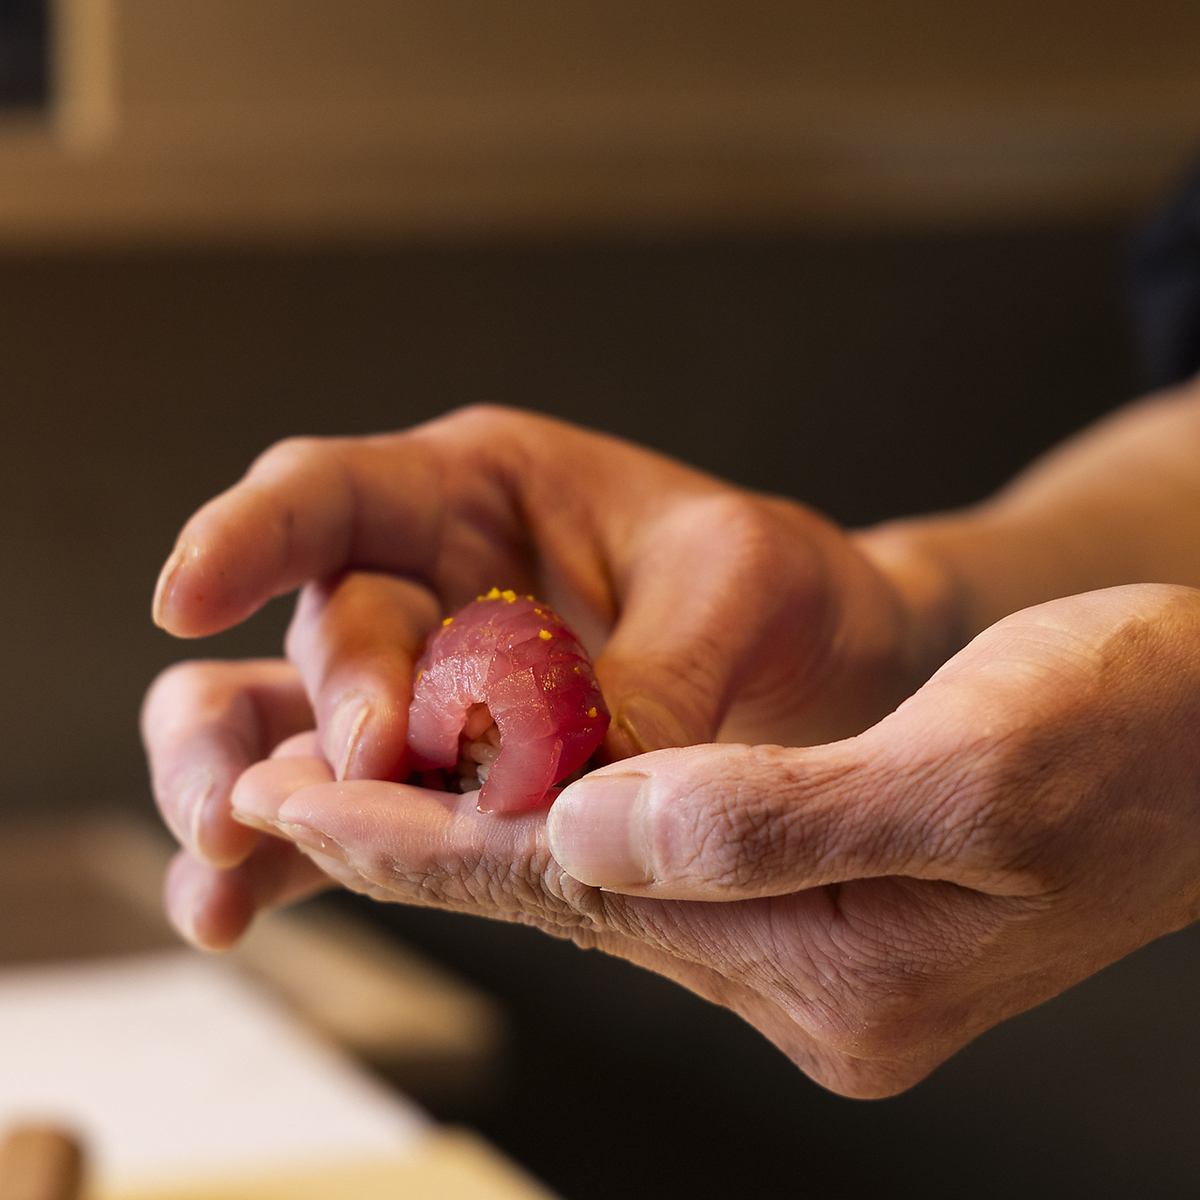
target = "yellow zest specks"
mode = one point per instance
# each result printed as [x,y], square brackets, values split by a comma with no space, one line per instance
[541,612]
[529,596]
[508,596]
[592,712]
[545,634]
[447,621]
[420,674]
[494,594]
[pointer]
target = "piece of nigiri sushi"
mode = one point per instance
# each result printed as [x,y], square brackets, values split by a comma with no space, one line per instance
[506,696]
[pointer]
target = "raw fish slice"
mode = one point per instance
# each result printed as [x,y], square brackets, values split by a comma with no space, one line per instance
[517,658]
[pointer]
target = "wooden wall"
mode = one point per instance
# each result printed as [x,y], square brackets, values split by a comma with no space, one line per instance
[284,117]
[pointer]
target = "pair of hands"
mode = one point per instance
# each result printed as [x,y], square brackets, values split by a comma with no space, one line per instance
[870,901]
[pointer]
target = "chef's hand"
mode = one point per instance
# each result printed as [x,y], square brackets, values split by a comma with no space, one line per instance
[717,612]
[871,905]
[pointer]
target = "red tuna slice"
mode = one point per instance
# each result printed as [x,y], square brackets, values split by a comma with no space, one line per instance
[518,657]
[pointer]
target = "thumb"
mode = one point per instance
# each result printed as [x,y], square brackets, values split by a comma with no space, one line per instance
[721,822]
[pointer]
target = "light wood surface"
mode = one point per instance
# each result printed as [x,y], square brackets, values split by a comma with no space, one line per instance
[450,1165]
[274,118]
[93,890]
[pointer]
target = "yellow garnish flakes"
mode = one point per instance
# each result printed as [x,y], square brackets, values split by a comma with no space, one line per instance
[508,595]
[494,594]
[592,712]
[545,634]
[447,621]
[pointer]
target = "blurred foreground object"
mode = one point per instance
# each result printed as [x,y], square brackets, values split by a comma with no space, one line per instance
[287,117]
[40,1162]
[91,889]
[185,1078]
[451,1165]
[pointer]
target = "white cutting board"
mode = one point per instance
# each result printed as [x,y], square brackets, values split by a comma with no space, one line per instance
[172,1063]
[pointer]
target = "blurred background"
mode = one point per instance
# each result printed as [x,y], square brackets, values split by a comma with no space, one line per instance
[871,255]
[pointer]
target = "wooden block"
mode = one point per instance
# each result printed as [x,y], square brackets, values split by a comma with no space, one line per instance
[40,1162]
[451,1165]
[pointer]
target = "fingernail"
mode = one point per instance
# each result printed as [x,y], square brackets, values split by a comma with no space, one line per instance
[252,820]
[193,804]
[166,581]
[346,728]
[313,840]
[596,834]
[648,725]
[183,903]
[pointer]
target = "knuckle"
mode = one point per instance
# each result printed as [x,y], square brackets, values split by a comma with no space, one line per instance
[962,790]
[1024,794]
[485,421]
[730,832]
[180,684]
[532,891]
[744,526]
[877,1016]
[858,1079]
[309,616]
[290,453]
[298,637]
[483,413]
[987,799]
[870,981]
[891,1026]
[690,679]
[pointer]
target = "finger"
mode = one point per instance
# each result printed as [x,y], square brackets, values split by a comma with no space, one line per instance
[203,724]
[310,508]
[944,788]
[408,844]
[399,843]
[480,497]
[403,844]
[355,641]
[212,909]
[299,745]
[264,787]
[736,822]
[717,599]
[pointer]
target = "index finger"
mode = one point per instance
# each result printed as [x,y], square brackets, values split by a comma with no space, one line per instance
[447,503]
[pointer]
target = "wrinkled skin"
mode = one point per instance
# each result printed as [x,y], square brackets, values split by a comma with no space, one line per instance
[869,904]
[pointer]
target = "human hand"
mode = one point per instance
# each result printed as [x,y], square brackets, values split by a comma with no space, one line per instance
[719,612]
[203,724]
[871,905]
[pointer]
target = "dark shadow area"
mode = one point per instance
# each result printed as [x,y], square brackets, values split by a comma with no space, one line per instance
[620,1083]
[868,376]
[24,53]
